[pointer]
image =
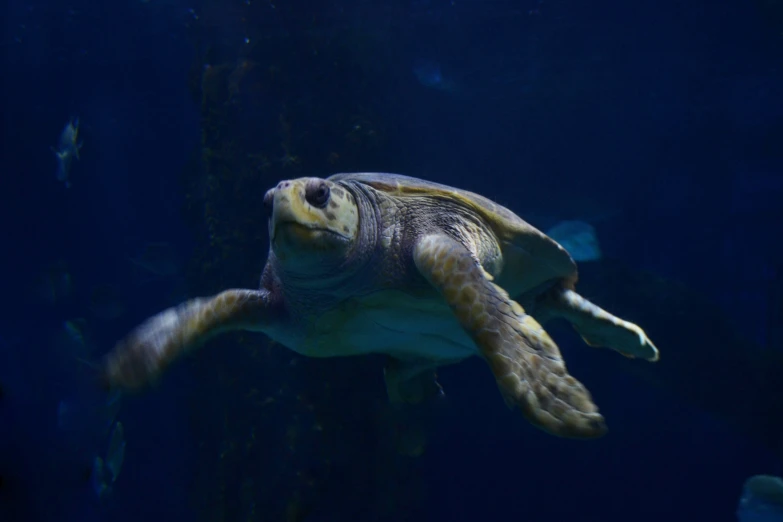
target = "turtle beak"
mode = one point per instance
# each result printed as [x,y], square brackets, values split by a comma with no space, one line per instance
[289,206]
[290,211]
[269,205]
[283,202]
[269,201]
[297,225]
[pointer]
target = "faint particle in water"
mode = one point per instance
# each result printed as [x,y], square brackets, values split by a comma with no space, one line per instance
[761,500]
[67,149]
[359,132]
[578,238]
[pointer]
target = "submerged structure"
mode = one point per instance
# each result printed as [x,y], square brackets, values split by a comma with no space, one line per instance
[281,437]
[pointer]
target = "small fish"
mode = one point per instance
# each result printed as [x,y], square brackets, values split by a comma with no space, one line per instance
[429,75]
[72,343]
[106,470]
[578,238]
[761,500]
[115,454]
[67,149]
[74,329]
[98,478]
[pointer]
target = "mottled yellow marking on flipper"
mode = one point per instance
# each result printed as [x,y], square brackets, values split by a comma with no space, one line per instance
[147,351]
[526,362]
[598,327]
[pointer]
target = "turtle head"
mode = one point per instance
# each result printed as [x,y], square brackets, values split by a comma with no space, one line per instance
[314,222]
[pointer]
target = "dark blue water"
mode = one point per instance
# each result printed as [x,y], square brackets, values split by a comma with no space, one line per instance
[659,123]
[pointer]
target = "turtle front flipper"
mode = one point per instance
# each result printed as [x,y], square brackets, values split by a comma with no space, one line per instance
[147,351]
[597,326]
[526,362]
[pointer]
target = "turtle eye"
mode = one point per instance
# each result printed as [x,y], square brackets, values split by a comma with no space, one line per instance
[317,194]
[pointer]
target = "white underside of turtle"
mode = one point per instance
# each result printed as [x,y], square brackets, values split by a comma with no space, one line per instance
[389,322]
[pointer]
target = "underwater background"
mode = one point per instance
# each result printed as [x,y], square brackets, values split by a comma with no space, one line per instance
[140,137]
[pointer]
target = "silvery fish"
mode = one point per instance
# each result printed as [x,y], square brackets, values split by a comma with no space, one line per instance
[67,149]
[578,238]
[115,453]
[106,470]
[761,500]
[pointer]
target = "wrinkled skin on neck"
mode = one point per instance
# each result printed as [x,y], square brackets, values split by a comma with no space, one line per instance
[322,248]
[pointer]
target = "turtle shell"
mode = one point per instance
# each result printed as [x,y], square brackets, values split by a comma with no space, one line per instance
[532,255]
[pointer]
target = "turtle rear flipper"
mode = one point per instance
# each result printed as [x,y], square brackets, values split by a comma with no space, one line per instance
[598,327]
[411,382]
[526,362]
[146,352]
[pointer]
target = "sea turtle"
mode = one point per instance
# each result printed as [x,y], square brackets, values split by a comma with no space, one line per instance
[364,263]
